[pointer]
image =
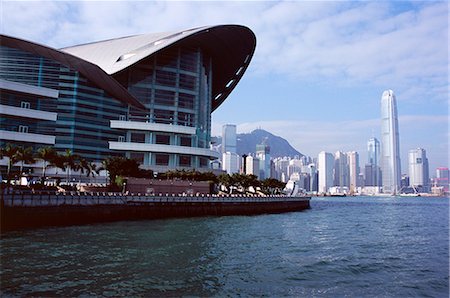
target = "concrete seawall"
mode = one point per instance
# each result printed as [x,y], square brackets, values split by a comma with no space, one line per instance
[22,211]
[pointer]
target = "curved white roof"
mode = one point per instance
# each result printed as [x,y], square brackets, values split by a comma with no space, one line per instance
[114,55]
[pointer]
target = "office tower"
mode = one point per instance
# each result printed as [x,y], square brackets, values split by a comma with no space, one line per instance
[390,149]
[442,178]
[252,166]
[341,170]
[313,177]
[263,154]
[353,164]
[373,159]
[325,165]
[418,169]
[229,138]
[230,162]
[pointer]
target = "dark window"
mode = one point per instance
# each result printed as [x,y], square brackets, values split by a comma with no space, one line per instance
[161,159]
[137,137]
[185,160]
[166,78]
[163,116]
[164,97]
[143,94]
[138,156]
[186,141]
[186,101]
[188,60]
[203,162]
[186,119]
[162,139]
[187,82]
[25,105]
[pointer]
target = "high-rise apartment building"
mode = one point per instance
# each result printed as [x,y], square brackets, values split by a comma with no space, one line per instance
[418,169]
[230,162]
[341,170]
[229,138]
[252,166]
[325,169]
[390,148]
[353,165]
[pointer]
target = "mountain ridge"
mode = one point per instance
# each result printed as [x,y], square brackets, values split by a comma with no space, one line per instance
[279,147]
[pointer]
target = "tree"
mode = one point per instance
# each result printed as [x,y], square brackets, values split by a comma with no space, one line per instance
[48,156]
[225,180]
[122,166]
[91,168]
[69,162]
[24,156]
[10,152]
[272,186]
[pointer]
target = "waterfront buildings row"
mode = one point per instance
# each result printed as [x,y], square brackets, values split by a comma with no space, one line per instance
[147,97]
[340,172]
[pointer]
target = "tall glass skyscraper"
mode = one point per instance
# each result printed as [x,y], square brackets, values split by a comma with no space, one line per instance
[325,164]
[390,148]
[373,175]
[229,138]
[418,169]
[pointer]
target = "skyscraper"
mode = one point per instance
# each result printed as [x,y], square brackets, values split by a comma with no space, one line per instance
[390,149]
[252,166]
[418,169]
[341,170]
[230,162]
[373,163]
[263,154]
[229,138]
[325,165]
[353,164]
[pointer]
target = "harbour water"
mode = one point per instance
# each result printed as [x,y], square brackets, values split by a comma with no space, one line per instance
[351,246]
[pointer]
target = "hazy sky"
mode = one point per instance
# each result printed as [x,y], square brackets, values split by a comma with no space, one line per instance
[319,68]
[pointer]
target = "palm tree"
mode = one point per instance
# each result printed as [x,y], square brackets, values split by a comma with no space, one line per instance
[9,151]
[91,168]
[24,156]
[48,156]
[69,162]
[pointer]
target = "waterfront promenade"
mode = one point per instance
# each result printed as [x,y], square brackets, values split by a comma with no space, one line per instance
[31,210]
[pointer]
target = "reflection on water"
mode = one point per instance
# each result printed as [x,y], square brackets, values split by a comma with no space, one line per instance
[341,246]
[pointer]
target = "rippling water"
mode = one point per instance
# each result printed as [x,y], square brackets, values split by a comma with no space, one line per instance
[340,247]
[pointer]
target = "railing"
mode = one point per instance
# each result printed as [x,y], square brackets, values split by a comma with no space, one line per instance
[110,198]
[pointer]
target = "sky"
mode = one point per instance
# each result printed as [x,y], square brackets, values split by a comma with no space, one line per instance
[318,71]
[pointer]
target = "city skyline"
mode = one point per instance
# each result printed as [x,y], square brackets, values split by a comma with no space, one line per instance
[317,66]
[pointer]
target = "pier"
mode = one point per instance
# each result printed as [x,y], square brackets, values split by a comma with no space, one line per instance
[33,210]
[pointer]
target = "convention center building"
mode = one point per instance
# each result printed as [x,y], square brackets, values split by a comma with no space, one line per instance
[147,97]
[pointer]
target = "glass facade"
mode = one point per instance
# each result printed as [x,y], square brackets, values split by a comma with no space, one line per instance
[175,87]
[83,110]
